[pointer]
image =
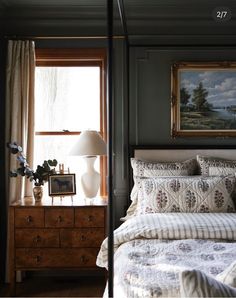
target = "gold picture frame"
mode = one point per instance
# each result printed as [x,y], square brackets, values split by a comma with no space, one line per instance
[203,99]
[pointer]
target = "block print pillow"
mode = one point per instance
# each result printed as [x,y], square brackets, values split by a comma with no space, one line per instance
[211,166]
[185,194]
[154,169]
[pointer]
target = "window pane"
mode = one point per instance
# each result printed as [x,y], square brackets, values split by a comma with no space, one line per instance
[67,98]
[58,147]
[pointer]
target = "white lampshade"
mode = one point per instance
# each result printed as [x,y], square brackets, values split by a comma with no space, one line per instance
[89,143]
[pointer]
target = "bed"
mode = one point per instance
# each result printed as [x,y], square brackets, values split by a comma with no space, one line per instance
[182,217]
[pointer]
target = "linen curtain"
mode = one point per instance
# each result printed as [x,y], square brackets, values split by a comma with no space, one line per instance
[20,111]
[20,74]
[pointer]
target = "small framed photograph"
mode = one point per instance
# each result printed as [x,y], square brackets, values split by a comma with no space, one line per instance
[62,185]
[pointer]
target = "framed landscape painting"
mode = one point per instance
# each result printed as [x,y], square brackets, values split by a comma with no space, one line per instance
[203,99]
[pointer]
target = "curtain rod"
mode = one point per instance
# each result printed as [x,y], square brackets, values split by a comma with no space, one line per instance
[61,37]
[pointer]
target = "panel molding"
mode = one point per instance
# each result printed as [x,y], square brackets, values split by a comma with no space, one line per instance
[138,60]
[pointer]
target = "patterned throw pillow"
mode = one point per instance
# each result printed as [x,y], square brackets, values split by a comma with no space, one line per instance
[185,194]
[211,166]
[155,169]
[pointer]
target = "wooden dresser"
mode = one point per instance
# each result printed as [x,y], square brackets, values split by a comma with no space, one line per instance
[52,235]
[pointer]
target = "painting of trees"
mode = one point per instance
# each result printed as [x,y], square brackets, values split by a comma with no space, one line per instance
[184,96]
[200,98]
[205,99]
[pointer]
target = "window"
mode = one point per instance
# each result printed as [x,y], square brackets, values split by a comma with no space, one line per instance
[69,98]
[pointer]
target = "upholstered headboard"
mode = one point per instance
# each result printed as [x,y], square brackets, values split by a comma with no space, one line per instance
[179,154]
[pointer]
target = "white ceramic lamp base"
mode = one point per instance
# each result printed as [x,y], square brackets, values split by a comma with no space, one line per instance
[90,180]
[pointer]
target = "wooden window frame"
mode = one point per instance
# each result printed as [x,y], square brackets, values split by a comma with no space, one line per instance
[80,57]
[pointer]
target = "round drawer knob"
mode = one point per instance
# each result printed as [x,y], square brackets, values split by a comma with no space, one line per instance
[90,218]
[83,238]
[37,239]
[37,259]
[83,259]
[59,219]
[29,219]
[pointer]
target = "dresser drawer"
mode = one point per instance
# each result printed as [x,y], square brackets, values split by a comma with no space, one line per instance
[36,238]
[89,217]
[29,217]
[59,217]
[87,237]
[56,257]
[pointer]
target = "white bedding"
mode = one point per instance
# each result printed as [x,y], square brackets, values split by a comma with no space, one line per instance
[151,250]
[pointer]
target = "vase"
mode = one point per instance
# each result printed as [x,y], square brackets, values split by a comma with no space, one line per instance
[38,193]
[90,180]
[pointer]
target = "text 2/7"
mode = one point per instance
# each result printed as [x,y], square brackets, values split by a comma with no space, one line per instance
[221,14]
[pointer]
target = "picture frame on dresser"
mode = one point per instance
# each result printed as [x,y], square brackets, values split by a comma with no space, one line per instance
[203,99]
[61,185]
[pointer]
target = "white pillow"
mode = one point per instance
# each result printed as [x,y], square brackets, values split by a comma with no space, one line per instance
[228,276]
[195,283]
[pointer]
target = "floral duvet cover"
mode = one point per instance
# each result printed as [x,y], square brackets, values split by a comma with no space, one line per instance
[151,250]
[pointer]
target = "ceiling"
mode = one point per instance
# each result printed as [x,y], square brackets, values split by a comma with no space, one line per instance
[142,17]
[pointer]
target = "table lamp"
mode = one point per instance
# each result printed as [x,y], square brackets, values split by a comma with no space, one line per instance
[89,145]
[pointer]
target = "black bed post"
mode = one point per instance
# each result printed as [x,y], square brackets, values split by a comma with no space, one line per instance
[110,140]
